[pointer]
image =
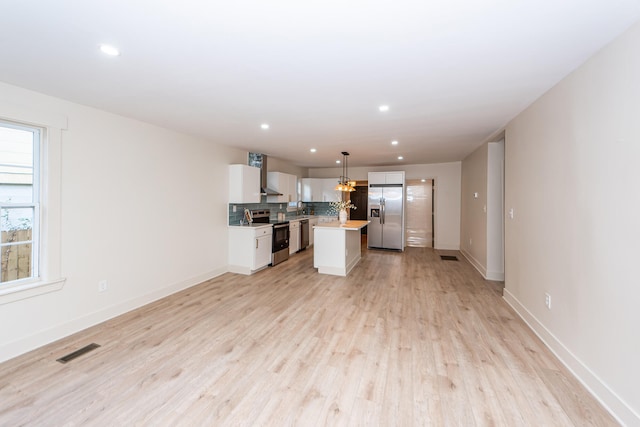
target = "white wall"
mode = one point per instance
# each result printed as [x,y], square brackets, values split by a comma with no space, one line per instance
[481,217]
[142,207]
[473,219]
[446,203]
[572,178]
[275,164]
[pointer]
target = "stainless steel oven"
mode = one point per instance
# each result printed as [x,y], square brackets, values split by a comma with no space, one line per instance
[280,245]
[279,238]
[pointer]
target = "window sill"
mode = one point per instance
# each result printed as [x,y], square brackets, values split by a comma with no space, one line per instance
[29,289]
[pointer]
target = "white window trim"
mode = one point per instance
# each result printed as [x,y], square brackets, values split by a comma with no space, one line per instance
[50,258]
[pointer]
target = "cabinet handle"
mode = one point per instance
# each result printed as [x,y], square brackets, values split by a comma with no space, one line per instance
[257,243]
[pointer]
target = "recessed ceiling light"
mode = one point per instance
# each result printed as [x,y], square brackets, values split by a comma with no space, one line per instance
[394,142]
[400,157]
[313,150]
[383,108]
[423,180]
[264,126]
[337,161]
[109,50]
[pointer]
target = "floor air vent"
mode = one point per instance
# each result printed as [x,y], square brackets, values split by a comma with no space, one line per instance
[86,349]
[448,257]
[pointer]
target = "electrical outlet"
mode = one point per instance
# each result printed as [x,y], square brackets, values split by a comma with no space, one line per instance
[102,285]
[547,300]
[470,242]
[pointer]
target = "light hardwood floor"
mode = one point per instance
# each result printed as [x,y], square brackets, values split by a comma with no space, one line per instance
[406,340]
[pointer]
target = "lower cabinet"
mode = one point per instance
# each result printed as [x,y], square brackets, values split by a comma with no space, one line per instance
[262,256]
[249,248]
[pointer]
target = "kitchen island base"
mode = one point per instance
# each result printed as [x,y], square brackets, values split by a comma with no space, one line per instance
[337,247]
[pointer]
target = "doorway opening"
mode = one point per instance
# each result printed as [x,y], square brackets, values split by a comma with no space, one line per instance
[419,214]
[360,200]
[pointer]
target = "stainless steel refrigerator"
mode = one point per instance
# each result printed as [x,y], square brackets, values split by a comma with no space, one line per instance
[385,211]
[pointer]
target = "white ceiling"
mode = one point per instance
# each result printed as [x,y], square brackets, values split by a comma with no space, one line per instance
[453,72]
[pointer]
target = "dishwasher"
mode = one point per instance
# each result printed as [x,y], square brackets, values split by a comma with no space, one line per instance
[304,234]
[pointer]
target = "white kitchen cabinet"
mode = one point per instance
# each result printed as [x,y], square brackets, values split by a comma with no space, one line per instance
[394,178]
[284,183]
[292,188]
[294,237]
[311,190]
[244,184]
[377,178]
[249,248]
[329,193]
[319,189]
[263,247]
[312,223]
[386,177]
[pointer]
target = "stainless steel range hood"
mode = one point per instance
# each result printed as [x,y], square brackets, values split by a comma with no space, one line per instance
[260,160]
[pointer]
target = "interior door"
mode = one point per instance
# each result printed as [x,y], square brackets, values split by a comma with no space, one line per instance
[418,216]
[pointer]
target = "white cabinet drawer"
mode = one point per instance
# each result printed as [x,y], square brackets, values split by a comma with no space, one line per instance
[263,231]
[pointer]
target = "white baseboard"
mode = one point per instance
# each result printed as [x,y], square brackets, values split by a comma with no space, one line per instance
[488,275]
[39,339]
[448,247]
[495,275]
[476,264]
[239,269]
[607,397]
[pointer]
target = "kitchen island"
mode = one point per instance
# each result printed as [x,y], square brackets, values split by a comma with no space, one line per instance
[336,248]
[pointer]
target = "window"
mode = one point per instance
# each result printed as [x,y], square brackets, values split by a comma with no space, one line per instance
[30,202]
[19,203]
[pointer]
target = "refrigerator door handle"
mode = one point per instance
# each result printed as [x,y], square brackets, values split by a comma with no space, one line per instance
[382,213]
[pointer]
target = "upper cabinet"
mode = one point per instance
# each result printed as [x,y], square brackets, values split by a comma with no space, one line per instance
[329,192]
[386,178]
[283,183]
[244,184]
[319,189]
[311,189]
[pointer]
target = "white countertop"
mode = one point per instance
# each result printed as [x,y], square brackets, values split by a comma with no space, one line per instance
[251,226]
[290,219]
[349,225]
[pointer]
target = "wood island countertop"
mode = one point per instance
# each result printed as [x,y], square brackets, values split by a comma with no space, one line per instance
[349,225]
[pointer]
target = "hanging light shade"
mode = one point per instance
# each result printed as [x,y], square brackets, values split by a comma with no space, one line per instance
[344,184]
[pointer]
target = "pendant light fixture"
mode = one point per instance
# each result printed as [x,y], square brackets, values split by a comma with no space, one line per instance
[344,184]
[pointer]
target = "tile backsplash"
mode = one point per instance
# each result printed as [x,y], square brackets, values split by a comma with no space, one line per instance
[315,208]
